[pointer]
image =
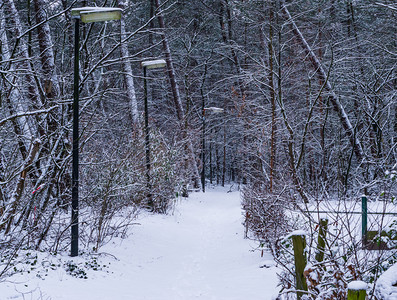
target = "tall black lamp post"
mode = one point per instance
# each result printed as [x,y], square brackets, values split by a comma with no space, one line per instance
[215,110]
[149,64]
[85,15]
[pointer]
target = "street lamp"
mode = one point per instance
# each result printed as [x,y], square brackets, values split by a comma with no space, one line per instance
[149,64]
[86,15]
[215,110]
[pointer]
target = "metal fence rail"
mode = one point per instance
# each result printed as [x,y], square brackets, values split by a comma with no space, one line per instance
[364,213]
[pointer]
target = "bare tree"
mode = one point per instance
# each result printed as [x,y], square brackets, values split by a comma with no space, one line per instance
[175,93]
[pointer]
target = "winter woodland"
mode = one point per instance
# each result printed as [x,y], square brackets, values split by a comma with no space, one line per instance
[309,125]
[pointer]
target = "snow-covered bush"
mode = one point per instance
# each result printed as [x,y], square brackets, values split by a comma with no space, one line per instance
[165,175]
[112,191]
[345,260]
[115,185]
[345,257]
[386,286]
[327,278]
[264,215]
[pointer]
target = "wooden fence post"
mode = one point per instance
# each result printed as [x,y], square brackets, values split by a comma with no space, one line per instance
[322,232]
[357,290]
[299,242]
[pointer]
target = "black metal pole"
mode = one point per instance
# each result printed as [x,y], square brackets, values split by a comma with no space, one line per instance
[75,151]
[203,152]
[210,162]
[147,142]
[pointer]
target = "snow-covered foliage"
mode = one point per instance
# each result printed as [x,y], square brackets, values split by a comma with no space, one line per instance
[345,257]
[386,286]
[265,216]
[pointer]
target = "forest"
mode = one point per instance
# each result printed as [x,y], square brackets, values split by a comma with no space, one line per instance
[307,91]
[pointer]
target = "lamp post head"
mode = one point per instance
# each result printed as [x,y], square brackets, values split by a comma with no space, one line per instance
[96,14]
[214,109]
[153,64]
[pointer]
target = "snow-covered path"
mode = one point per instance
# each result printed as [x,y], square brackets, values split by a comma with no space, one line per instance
[199,252]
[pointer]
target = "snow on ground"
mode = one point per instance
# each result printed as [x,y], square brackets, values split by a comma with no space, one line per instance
[386,285]
[198,252]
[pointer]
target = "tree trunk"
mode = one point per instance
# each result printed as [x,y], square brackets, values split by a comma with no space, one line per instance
[348,127]
[227,37]
[17,193]
[13,95]
[127,70]
[51,84]
[32,89]
[272,100]
[175,93]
